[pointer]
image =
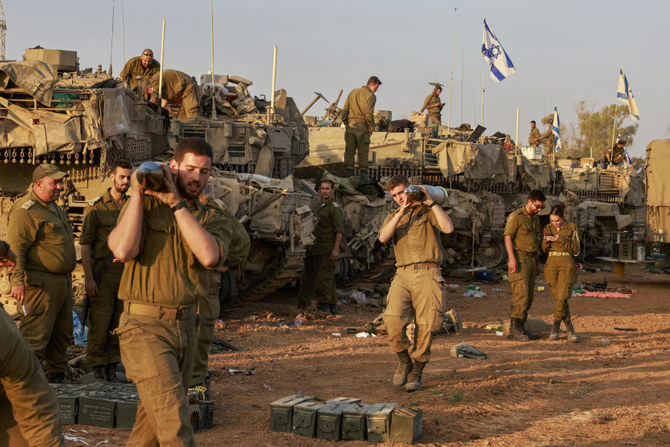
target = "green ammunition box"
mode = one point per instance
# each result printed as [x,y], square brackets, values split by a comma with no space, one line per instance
[68,405]
[353,422]
[329,421]
[125,414]
[281,412]
[96,411]
[379,422]
[406,424]
[304,418]
[206,415]
[344,400]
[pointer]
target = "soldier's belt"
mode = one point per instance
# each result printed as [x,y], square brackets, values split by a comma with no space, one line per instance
[420,265]
[352,122]
[158,311]
[559,253]
[525,254]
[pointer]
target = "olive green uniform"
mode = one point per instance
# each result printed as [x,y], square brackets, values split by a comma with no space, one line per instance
[157,335]
[418,289]
[105,308]
[41,236]
[559,271]
[29,414]
[178,84]
[318,280]
[549,143]
[618,155]
[434,113]
[209,306]
[524,230]
[533,136]
[134,69]
[358,116]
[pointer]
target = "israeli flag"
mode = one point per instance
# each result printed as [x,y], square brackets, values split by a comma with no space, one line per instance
[556,129]
[501,64]
[625,94]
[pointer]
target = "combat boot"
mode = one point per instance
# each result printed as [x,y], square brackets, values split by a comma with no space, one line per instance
[555,329]
[572,337]
[516,330]
[100,374]
[527,333]
[110,372]
[404,368]
[414,379]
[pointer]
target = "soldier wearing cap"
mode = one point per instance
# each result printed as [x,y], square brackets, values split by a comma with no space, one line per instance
[102,276]
[29,414]
[41,235]
[434,105]
[358,117]
[168,242]
[177,86]
[140,68]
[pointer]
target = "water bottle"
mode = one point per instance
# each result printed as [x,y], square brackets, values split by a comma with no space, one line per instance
[151,176]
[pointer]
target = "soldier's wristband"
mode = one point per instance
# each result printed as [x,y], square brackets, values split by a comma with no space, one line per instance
[432,204]
[181,204]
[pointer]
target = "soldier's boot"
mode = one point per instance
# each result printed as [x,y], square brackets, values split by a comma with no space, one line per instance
[516,330]
[527,333]
[572,336]
[110,372]
[414,378]
[99,374]
[56,377]
[404,368]
[555,329]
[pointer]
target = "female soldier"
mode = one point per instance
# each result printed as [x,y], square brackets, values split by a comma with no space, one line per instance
[562,243]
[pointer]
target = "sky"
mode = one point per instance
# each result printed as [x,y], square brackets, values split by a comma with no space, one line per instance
[563,51]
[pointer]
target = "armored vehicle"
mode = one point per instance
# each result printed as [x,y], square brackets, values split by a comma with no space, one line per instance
[657,199]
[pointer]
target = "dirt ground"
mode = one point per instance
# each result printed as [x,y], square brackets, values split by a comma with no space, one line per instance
[611,389]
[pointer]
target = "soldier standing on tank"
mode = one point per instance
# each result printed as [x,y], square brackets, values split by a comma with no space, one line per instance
[140,68]
[41,235]
[561,243]
[549,142]
[209,306]
[358,117]
[434,106]
[177,85]
[102,276]
[534,135]
[168,241]
[522,232]
[317,285]
[417,290]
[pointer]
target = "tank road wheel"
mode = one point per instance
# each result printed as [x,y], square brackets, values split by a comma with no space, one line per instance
[594,240]
[342,272]
[227,290]
[493,255]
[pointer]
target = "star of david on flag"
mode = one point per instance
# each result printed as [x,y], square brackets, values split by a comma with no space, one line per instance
[625,94]
[556,129]
[501,64]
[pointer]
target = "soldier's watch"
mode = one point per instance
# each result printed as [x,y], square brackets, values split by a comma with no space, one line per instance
[181,204]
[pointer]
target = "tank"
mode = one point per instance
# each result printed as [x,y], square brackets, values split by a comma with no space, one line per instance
[657,199]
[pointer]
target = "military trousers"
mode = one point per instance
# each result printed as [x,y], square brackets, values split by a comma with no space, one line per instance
[158,357]
[357,139]
[29,414]
[189,103]
[318,280]
[208,312]
[560,275]
[417,293]
[48,326]
[523,286]
[435,118]
[103,317]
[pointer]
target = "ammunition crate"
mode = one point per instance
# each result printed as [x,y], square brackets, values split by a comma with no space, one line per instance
[125,414]
[378,419]
[281,412]
[353,422]
[304,418]
[406,424]
[96,411]
[329,418]
[68,406]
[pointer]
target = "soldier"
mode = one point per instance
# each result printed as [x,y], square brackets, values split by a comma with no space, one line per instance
[534,135]
[357,115]
[177,85]
[549,142]
[417,290]
[561,243]
[41,235]
[209,306]
[140,68]
[434,106]
[168,241]
[618,154]
[521,236]
[317,285]
[102,275]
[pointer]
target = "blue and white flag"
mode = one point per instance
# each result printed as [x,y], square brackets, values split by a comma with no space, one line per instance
[501,64]
[625,94]
[556,129]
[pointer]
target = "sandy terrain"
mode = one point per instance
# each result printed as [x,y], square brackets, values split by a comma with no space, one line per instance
[611,389]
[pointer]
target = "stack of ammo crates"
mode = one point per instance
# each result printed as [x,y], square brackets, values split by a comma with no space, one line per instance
[345,418]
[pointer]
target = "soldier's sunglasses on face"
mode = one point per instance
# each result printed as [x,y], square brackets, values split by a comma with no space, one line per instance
[538,207]
[147,54]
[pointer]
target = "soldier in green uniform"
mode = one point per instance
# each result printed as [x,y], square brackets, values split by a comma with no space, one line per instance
[209,306]
[434,105]
[561,243]
[140,68]
[534,135]
[177,86]
[168,241]
[418,289]
[102,276]
[522,231]
[41,236]
[549,142]
[358,117]
[317,285]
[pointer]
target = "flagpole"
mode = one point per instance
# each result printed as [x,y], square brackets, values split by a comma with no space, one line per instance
[451,81]
[482,112]
[516,138]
